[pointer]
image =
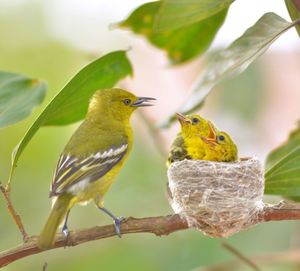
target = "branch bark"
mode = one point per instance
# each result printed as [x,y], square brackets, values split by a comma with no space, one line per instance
[160,225]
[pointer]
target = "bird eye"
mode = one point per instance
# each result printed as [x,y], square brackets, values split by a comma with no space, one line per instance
[127,101]
[221,138]
[195,120]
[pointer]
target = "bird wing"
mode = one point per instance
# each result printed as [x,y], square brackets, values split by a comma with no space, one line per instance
[178,151]
[72,170]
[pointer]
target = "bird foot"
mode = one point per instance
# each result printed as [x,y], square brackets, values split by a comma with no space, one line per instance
[66,233]
[118,222]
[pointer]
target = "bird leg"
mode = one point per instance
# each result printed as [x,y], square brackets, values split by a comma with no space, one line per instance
[117,220]
[65,229]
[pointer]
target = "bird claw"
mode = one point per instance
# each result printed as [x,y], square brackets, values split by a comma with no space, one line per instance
[66,233]
[118,222]
[65,230]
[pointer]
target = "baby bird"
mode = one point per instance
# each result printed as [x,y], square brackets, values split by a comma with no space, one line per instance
[219,146]
[188,143]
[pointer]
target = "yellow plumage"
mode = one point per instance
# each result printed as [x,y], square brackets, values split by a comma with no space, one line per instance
[93,157]
[188,143]
[219,146]
[199,139]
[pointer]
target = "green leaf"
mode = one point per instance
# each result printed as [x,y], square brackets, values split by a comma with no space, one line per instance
[283,178]
[293,7]
[181,44]
[18,96]
[71,103]
[233,60]
[175,14]
[283,173]
[292,142]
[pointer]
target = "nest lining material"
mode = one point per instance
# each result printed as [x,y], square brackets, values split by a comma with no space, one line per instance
[219,199]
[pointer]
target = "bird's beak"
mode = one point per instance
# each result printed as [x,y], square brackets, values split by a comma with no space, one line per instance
[212,136]
[182,119]
[143,101]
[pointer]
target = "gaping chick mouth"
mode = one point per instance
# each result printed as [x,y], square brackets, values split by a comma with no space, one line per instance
[212,137]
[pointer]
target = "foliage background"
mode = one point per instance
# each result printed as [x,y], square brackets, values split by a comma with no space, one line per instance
[258,108]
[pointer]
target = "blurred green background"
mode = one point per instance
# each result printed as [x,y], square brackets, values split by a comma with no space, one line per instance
[27,47]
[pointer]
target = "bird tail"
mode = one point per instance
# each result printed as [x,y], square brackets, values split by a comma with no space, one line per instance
[59,210]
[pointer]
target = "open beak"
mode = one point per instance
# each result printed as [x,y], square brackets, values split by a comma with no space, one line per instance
[212,136]
[182,119]
[143,101]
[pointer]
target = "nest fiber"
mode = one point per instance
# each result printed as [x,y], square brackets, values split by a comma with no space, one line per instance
[220,199]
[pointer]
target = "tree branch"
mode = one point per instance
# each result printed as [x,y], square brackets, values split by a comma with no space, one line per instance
[282,211]
[160,225]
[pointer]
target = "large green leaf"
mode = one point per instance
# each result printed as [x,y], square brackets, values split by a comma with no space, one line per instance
[283,178]
[293,7]
[71,103]
[181,44]
[292,143]
[18,96]
[233,60]
[175,14]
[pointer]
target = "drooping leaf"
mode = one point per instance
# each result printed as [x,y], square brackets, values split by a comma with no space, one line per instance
[292,143]
[181,44]
[283,178]
[233,60]
[293,7]
[71,103]
[175,14]
[18,96]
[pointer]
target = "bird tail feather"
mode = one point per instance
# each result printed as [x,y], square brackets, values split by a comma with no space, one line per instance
[59,210]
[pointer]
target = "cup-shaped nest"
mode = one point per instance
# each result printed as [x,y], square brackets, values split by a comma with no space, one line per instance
[219,199]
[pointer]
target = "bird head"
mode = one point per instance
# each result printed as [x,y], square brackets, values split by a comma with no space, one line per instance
[222,142]
[192,125]
[116,102]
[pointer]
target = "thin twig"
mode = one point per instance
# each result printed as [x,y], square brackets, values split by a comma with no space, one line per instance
[14,214]
[242,257]
[155,134]
[289,256]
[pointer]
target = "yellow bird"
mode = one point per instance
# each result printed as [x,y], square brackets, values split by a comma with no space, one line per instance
[219,146]
[188,144]
[92,158]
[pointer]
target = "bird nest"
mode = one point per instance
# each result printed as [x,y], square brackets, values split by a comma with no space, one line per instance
[219,199]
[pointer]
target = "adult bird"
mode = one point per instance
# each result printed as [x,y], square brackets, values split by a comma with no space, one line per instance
[92,158]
